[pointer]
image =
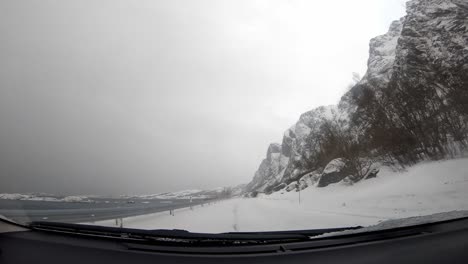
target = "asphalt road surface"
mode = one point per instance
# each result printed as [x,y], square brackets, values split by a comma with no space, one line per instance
[98,209]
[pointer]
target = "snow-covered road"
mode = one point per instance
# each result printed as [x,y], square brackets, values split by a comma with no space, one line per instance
[421,190]
[243,214]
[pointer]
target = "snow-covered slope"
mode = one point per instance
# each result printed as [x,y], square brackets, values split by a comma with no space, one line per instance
[424,189]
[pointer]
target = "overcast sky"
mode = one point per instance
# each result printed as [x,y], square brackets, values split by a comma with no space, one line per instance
[129,97]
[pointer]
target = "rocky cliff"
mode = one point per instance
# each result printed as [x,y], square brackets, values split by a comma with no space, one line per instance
[411,104]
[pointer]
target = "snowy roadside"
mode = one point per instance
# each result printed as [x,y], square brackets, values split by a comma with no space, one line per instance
[425,189]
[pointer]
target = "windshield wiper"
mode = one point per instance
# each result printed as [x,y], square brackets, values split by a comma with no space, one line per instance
[177,236]
[307,232]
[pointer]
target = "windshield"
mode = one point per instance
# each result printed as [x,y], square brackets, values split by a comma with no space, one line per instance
[218,116]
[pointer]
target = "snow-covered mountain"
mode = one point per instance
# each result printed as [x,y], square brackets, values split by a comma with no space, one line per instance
[219,192]
[44,197]
[185,194]
[410,105]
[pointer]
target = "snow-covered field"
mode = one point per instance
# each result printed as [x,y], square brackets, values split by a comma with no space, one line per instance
[424,189]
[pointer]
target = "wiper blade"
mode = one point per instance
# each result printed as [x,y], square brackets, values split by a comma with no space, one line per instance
[307,232]
[159,235]
[184,236]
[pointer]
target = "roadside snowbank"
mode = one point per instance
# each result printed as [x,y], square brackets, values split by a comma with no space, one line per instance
[425,189]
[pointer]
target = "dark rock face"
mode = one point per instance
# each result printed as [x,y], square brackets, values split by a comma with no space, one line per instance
[432,49]
[372,174]
[292,186]
[334,172]
[287,145]
[432,55]
[330,178]
[272,149]
[279,187]
[428,88]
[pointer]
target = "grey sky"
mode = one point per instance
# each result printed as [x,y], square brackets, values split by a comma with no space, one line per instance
[121,97]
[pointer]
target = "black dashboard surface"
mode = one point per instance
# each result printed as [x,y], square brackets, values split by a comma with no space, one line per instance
[445,242]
